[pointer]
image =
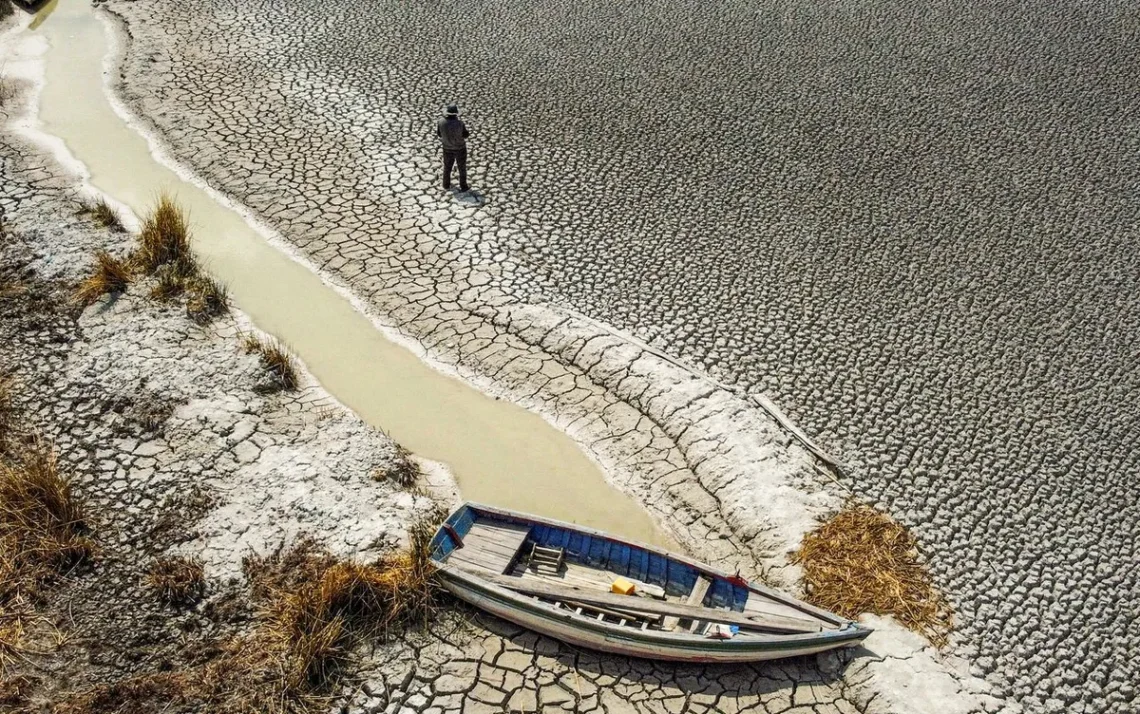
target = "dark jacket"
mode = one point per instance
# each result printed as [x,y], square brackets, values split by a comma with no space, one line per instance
[452,133]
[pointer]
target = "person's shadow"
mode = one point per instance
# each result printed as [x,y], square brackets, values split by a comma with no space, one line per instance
[470,197]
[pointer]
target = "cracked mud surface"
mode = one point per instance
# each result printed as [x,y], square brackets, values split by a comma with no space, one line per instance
[159,422]
[486,665]
[914,226]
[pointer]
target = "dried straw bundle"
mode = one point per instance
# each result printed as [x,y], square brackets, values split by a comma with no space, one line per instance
[110,276]
[42,533]
[861,560]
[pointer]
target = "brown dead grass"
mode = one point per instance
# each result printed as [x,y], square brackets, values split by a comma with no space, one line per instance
[405,473]
[173,277]
[177,580]
[15,690]
[208,299]
[861,560]
[110,276]
[164,251]
[164,238]
[313,610]
[102,213]
[277,362]
[43,533]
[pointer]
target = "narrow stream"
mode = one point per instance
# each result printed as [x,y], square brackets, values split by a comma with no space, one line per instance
[500,453]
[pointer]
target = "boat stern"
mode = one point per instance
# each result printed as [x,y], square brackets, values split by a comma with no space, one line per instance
[449,536]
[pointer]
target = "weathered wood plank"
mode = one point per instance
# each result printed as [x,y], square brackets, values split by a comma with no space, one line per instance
[696,597]
[771,623]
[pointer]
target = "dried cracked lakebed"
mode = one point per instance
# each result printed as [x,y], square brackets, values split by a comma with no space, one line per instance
[913,226]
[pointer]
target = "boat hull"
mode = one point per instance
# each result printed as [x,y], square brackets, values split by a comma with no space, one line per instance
[624,641]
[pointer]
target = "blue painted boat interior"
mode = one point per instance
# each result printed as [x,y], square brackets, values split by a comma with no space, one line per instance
[599,552]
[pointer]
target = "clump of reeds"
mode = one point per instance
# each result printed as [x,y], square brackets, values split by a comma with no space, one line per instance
[43,533]
[278,364]
[861,560]
[103,214]
[404,472]
[313,622]
[208,299]
[164,237]
[164,252]
[177,580]
[172,278]
[313,610]
[110,276]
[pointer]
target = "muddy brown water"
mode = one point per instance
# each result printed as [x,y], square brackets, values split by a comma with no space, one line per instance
[500,453]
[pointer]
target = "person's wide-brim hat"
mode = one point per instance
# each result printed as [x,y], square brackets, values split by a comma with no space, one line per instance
[453,109]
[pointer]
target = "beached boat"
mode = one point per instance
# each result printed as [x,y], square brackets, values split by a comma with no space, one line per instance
[605,593]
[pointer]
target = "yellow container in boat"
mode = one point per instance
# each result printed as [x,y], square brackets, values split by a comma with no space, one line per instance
[621,586]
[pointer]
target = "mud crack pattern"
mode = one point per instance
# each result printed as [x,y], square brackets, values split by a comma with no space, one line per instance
[175,452]
[915,226]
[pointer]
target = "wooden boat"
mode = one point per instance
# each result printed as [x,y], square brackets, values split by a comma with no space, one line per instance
[560,580]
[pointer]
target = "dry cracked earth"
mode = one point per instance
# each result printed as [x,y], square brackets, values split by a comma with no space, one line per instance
[176,450]
[913,225]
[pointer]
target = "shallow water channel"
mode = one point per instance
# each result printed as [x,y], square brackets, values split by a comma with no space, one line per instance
[500,453]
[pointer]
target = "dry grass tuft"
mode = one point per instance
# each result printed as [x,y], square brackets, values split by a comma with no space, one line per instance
[314,609]
[16,689]
[208,299]
[164,251]
[405,473]
[277,362]
[322,607]
[103,214]
[164,238]
[177,580]
[173,278]
[43,533]
[861,560]
[111,276]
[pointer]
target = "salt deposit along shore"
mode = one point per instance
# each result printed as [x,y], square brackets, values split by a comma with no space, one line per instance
[714,470]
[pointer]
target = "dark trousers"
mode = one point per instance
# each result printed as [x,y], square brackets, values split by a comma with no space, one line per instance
[450,159]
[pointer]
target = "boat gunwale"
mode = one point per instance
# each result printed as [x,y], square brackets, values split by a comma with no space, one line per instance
[704,568]
[852,632]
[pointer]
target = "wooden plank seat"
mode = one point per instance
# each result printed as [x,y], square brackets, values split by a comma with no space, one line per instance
[490,548]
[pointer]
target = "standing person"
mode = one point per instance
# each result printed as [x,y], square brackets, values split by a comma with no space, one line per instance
[453,135]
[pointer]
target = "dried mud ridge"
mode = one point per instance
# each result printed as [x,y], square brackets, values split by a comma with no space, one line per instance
[930,261]
[175,451]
